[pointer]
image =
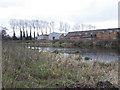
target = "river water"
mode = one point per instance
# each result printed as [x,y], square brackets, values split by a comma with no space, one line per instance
[93,53]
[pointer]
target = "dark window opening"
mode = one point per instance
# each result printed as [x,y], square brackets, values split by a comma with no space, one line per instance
[95,35]
[53,38]
[91,35]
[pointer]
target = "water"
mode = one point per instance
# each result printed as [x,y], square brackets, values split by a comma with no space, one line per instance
[93,53]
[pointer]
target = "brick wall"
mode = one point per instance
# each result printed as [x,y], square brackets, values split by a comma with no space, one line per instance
[99,35]
[75,38]
[106,36]
[113,35]
[79,38]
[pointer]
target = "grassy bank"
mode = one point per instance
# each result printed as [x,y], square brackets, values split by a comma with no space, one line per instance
[25,68]
[68,44]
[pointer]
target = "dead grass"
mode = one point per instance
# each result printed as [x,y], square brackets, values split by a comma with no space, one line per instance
[25,68]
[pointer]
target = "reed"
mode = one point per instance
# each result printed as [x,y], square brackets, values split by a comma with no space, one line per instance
[25,68]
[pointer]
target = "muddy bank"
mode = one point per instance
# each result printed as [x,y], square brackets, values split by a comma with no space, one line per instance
[102,85]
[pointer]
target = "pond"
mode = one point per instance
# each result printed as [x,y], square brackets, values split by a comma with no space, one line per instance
[92,53]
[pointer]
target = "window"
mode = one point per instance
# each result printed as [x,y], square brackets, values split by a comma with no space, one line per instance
[95,35]
[91,35]
[53,38]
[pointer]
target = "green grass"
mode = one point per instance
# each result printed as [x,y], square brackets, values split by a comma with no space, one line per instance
[25,68]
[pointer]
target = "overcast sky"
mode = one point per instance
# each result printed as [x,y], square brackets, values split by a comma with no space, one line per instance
[102,13]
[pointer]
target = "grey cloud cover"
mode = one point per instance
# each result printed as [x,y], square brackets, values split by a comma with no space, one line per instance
[11,3]
[76,11]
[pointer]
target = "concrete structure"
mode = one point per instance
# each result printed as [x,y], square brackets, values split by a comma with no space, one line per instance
[42,37]
[54,36]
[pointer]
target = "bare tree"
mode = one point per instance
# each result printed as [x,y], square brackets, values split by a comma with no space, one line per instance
[22,24]
[19,24]
[30,28]
[34,35]
[41,26]
[76,27]
[33,26]
[94,27]
[3,31]
[82,26]
[37,26]
[61,27]
[13,25]
[45,26]
[26,26]
[51,26]
[91,26]
[64,27]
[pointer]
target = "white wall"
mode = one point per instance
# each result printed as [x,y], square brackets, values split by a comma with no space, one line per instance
[55,35]
[41,37]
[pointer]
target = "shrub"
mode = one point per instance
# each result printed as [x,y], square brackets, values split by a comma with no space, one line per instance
[77,51]
[56,51]
[66,45]
[56,44]
[87,58]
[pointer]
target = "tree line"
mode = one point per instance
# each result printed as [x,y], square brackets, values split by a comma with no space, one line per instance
[35,26]
[40,27]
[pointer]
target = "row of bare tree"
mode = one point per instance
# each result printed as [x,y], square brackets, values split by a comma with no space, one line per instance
[40,27]
[25,26]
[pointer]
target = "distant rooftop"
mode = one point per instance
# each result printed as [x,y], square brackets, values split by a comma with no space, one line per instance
[96,30]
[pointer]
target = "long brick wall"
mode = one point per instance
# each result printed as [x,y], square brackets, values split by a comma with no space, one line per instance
[101,34]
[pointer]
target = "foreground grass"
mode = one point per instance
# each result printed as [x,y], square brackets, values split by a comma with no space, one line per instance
[24,68]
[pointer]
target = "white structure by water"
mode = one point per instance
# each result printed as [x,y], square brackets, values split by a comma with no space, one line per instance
[42,37]
[54,36]
[51,36]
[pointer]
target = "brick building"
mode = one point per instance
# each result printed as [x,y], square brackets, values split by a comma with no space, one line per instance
[99,34]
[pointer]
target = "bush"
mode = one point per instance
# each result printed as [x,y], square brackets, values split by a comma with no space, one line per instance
[56,44]
[87,58]
[77,51]
[66,45]
[56,51]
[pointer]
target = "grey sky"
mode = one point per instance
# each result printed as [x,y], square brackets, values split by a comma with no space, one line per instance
[102,13]
[11,3]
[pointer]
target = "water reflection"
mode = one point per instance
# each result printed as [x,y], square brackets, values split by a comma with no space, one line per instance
[92,53]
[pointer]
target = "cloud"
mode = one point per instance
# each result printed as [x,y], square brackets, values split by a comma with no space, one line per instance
[73,11]
[11,3]
[97,11]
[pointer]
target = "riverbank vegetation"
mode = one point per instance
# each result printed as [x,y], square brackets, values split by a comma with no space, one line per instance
[65,51]
[25,68]
[81,44]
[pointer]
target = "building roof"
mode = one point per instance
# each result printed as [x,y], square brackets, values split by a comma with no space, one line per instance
[88,33]
[97,30]
[55,33]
